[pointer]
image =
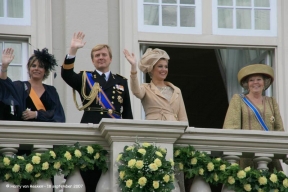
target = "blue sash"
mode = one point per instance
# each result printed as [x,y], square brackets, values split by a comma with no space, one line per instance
[255,111]
[102,98]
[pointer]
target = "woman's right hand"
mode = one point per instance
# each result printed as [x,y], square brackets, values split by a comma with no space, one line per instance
[7,57]
[76,42]
[130,57]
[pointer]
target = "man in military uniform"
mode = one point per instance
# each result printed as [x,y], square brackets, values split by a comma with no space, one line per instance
[103,94]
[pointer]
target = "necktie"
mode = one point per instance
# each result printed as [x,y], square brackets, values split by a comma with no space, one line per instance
[103,76]
[102,80]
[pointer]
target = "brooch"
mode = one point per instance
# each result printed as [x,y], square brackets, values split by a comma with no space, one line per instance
[272,119]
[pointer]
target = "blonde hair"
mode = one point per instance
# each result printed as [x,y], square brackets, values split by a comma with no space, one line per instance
[99,47]
[266,79]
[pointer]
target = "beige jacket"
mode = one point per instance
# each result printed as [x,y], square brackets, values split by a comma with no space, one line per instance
[240,116]
[155,105]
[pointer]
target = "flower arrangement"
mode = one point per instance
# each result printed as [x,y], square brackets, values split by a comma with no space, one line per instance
[45,165]
[38,166]
[144,168]
[83,157]
[218,171]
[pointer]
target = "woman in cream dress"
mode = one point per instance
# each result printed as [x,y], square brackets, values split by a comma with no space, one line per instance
[255,79]
[161,99]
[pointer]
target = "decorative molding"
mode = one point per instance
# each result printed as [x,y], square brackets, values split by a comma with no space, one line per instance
[241,141]
[126,130]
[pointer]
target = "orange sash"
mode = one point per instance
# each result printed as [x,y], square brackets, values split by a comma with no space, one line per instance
[36,100]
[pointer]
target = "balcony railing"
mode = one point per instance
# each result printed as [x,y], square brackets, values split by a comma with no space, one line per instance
[113,135]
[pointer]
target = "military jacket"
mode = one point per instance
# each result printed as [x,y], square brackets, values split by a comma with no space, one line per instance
[115,88]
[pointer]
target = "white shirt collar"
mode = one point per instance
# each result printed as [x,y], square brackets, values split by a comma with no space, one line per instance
[107,74]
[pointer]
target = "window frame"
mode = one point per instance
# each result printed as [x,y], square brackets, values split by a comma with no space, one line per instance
[24,56]
[245,32]
[26,20]
[170,29]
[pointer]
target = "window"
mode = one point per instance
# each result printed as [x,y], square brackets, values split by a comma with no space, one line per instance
[170,16]
[15,12]
[245,17]
[17,69]
[231,60]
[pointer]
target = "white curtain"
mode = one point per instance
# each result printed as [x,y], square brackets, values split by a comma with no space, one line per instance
[169,15]
[15,68]
[232,60]
[262,19]
[245,17]
[1,8]
[187,16]
[15,8]
[151,15]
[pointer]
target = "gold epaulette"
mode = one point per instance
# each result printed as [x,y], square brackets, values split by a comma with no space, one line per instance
[121,76]
[92,95]
[68,66]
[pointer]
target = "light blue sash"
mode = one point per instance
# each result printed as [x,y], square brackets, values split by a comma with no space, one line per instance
[255,111]
[103,99]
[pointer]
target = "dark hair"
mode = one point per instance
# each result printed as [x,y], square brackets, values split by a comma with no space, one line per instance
[45,59]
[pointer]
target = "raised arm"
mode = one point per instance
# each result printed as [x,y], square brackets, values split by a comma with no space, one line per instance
[132,60]
[76,43]
[137,90]
[67,70]
[7,57]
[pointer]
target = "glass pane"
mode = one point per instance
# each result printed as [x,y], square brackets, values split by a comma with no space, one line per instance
[15,8]
[169,15]
[187,16]
[261,3]
[225,2]
[169,1]
[151,15]
[1,8]
[15,72]
[243,18]
[243,3]
[190,2]
[17,51]
[262,19]
[151,1]
[225,18]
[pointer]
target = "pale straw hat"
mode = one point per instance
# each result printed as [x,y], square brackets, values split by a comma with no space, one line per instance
[150,58]
[254,69]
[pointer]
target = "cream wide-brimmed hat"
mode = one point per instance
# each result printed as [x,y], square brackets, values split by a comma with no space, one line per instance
[150,58]
[262,69]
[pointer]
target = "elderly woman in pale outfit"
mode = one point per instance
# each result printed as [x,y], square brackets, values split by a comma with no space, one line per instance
[244,108]
[161,99]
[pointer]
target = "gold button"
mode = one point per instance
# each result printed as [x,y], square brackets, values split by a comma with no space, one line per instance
[113,92]
[101,113]
[113,87]
[112,102]
[112,97]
